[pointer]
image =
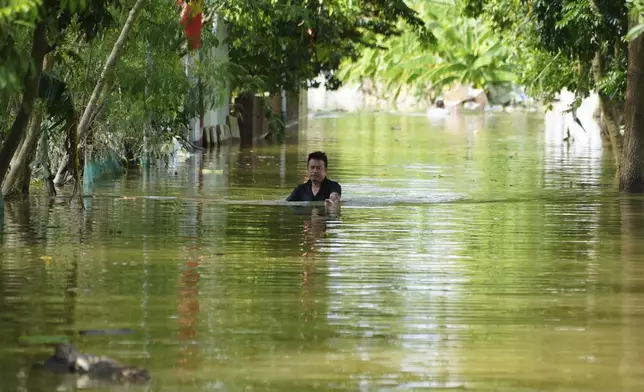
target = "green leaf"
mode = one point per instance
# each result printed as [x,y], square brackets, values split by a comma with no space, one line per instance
[24,23]
[635,32]
[482,61]
[504,76]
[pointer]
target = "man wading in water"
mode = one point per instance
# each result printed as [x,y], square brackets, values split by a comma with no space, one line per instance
[318,187]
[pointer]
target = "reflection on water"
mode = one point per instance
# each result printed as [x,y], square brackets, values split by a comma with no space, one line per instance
[471,252]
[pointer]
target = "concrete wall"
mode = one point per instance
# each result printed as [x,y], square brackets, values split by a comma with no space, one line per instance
[293,108]
[219,115]
[215,121]
[194,126]
[348,98]
[253,125]
[351,98]
[218,126]
[303,103]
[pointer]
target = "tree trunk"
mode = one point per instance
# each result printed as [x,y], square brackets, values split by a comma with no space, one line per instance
[43,162]
[14,159]
[610,114]
[598,115]
[632,169]
[21,163]
[62,171]
[25,182]
[83,125]
[30,92]
[26,152]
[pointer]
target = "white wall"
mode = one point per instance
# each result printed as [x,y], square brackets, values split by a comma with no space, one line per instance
[218,115]
[558,123]
[348,98]
[220,53]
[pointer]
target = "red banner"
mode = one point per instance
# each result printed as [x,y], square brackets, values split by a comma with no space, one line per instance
[191,19]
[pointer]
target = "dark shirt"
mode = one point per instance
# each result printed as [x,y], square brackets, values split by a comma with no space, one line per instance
[304,192]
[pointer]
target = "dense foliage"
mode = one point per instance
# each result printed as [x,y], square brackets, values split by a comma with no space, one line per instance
[148,98]
[422,49]
[466,51]
[296,43]
[558,41]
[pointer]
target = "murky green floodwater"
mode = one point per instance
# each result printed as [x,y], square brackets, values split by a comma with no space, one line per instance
[471,253]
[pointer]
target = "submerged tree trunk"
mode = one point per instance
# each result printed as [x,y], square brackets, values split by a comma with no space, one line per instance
[25,182]
[632,169]
[26,152]
[14,180]
[83,125]
[603,129]
[612,117]
[610,113]
[30,92]
[62,171]
[43,161]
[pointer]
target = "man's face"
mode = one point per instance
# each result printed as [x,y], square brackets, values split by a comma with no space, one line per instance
[317,170]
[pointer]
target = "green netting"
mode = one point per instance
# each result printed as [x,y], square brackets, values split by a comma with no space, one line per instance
[107,166]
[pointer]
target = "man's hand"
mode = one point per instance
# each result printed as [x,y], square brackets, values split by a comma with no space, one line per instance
[333,200]
[330,203]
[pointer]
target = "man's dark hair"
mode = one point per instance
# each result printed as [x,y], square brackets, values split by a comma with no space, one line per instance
[320,156]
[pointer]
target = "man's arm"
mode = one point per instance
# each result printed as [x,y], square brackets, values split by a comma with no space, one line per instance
[336,192]
[335,196]
[295,195]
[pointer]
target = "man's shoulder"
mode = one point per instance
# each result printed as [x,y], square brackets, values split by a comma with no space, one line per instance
[299,192]
[303,187]
[333,185]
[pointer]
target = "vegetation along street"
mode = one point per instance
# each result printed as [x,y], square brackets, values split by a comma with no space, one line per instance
[322,195]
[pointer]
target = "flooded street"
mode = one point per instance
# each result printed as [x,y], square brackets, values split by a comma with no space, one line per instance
[473,252]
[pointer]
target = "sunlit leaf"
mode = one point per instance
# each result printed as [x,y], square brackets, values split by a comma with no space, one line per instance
[635,32]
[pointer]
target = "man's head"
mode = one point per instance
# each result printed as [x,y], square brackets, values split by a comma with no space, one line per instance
[316,166]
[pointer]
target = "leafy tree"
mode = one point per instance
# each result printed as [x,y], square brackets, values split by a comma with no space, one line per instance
[637,6]
[466,51]
[50,21]
[288,45]
[147,99]
[30,76]
[580,45]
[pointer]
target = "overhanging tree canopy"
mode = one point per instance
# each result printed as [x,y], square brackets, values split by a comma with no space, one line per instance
[288,44]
